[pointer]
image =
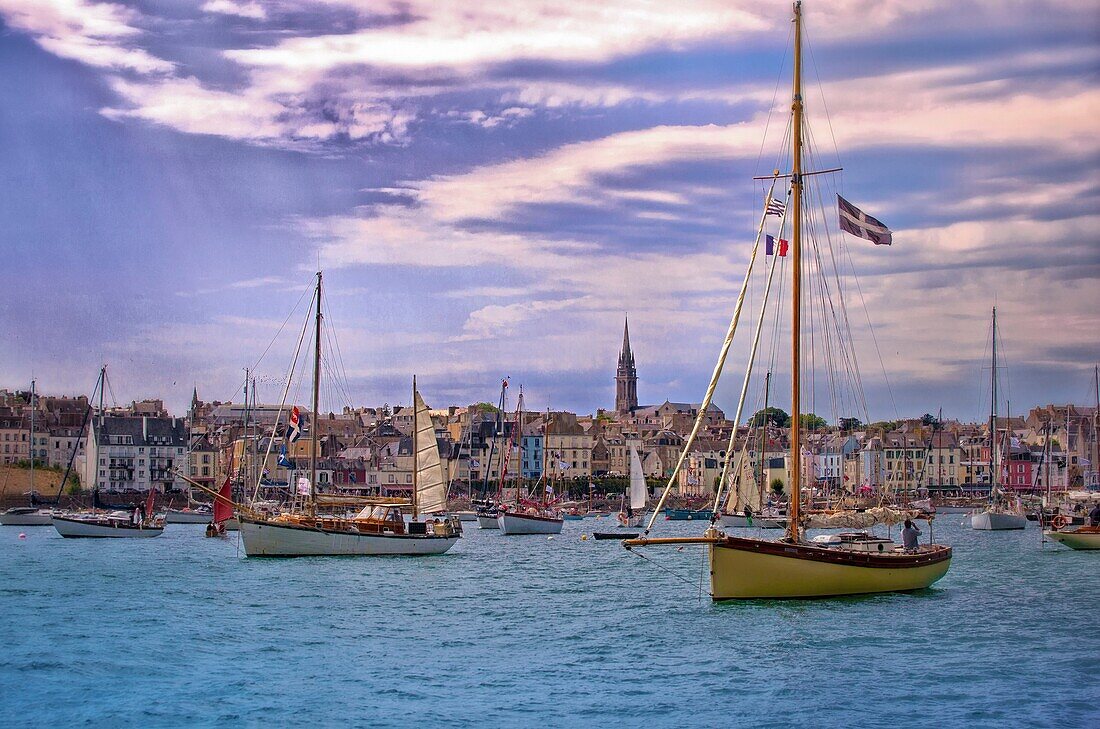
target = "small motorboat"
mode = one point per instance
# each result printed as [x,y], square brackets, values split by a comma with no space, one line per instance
[27,516]
[198,515]
[688,514]
[114,525]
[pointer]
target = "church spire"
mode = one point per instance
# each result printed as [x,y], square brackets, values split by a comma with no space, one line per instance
[626,376]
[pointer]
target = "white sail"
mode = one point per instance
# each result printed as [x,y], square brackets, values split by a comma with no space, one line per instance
[637,481]
[431,485]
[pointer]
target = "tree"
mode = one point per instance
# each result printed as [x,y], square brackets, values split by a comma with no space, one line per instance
[777,486]
[810,421]
[850,423]
[487,407]
[883,426]
[929,419]
[774,416]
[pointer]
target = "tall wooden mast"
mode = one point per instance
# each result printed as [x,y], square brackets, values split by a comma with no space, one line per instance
[796,285]
[316,395]
[993,469]
[415,449]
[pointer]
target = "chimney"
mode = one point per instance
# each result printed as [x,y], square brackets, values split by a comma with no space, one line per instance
[144,428]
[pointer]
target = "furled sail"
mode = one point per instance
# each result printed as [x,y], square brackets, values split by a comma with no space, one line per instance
[860,519]
[637,481]
[431,486]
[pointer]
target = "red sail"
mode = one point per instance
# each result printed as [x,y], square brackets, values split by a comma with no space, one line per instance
[223,505]
[149,503]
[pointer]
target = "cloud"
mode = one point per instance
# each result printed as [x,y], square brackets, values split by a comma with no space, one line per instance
[97,34]
[251,9]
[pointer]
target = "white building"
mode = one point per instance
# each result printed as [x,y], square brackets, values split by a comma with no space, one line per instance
[135,454]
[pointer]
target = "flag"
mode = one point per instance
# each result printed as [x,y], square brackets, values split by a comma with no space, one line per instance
[294,428]
[563,465]
[352,477]
[862,225]
[474,463]
[769,245]
[284,462]
[303,486]
[782,247]
[775,207]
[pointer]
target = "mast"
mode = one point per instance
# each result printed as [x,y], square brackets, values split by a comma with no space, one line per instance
[993,414]
[763,436]
[32,454]
[316,394]
[796,276]
[415,445]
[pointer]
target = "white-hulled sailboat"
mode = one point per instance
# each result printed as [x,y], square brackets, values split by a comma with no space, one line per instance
[633,515]
[532,516]
[1001,513]
[379,528]
[792,567]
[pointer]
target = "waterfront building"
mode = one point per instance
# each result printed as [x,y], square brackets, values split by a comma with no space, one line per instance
[135,453]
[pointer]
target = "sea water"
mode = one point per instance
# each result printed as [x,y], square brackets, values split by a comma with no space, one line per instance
[528,631]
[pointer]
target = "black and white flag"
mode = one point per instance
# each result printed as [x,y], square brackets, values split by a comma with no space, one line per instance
[775,207]
[862,225]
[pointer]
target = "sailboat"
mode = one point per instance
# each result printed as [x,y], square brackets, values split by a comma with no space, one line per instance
[379,528]
[35,514]
[1001,513]
[633,515]
[532,516]
[115,523]
[793,567]
[487,508]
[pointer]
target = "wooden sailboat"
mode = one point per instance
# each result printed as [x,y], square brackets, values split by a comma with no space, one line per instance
[1000,514]
[633,515]
[532,516]
[139,523]
[742,567]
[29,515]
[379,528]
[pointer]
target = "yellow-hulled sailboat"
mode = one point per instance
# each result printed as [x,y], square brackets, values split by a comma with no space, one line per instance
[846,564]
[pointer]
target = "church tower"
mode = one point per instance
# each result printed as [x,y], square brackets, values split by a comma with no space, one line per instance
[626,377]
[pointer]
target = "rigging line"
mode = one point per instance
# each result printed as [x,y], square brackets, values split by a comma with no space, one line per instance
[821,92]
[660,566]
[282,404]
[871,328]
[775,95]
[293,309]
[715,376]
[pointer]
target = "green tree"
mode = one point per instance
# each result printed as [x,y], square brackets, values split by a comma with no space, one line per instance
[929,419]
[486,407]
[850,423]
[810,421]
[775,416]
[777,486]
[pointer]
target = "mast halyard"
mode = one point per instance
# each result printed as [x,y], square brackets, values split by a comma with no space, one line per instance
[316,396]
[796,276]
[415,450]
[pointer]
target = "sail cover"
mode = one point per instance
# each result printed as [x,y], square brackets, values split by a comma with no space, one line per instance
[743,491]
[637,481]
[431,487]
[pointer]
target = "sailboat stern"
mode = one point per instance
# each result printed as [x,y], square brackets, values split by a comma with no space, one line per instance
[743,568]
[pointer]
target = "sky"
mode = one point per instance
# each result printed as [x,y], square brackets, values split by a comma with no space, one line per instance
[490,187]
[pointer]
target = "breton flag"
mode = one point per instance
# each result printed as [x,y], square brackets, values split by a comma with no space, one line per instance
[285,462]
[294,428]
[862,225]
[775,207]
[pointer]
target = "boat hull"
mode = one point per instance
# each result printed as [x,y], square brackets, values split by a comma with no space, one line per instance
[754,569]
[175,516]
[103,529]
[467,516]
[268,539]
[26,518]
[1075,538]
[510,524]
[997,521]
[486,522]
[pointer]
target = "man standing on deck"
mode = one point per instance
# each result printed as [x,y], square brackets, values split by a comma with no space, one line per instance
[1094,516]
[909,536]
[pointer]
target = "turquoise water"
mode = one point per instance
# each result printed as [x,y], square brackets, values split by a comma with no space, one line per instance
[526,631]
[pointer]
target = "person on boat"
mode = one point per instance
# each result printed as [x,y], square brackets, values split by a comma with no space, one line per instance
[1094,516]
[909,536]
[135,518]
